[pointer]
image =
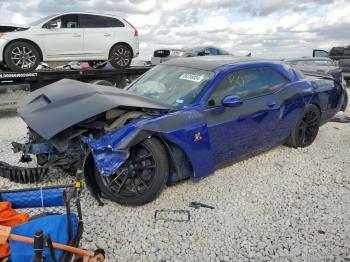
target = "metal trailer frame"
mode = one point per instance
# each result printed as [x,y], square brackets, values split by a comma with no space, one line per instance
[40,78]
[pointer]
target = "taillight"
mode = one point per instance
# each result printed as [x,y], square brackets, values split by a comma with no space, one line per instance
[136,33]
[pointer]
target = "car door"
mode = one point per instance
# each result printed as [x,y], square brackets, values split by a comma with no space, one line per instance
[319,53]
[63,38]
[235,132]
[99,34]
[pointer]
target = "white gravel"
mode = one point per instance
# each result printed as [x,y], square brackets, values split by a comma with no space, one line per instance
[283,205]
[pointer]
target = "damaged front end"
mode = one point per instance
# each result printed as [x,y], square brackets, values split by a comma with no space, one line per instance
[67,150]
[104,131]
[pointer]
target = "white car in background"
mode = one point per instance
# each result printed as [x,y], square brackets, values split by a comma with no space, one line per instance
[77,36]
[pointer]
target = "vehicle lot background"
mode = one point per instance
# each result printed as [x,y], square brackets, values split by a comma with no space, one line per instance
[282,205]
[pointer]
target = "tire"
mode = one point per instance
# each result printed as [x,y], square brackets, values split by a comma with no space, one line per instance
[345,103]
[94,64]
[101,82]
[306,129]
[120,56]
[22,57]
[141,178]
[3,67]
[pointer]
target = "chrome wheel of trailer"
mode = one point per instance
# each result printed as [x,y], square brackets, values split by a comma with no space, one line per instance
[22,57]
[120,56]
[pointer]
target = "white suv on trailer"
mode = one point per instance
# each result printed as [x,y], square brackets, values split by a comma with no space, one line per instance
[75,36]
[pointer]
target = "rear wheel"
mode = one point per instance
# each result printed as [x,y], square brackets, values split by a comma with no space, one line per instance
[306,129]
[120,56]
[141,178]
[345,103]
[22,57]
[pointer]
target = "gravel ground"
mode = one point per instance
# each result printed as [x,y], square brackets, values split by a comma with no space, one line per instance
[282,205]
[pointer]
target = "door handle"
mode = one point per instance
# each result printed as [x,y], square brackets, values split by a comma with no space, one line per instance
[106,34]
[76,35]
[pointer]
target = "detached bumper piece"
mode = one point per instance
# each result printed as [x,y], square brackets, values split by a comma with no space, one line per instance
[22,175]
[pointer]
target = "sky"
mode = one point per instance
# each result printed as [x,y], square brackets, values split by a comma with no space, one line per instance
[266,28]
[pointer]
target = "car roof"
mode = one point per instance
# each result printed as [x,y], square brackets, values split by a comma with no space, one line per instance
[211,63]
[309,59]
[88,13]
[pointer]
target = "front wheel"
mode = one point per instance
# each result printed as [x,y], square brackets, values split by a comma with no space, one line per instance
[306,129]
[22,57]
[120,56]
[141,178]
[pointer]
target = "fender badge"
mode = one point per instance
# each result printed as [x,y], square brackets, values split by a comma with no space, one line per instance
[197,136]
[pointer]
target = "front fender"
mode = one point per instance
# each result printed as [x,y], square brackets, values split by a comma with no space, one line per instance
[107,151]
[186,129]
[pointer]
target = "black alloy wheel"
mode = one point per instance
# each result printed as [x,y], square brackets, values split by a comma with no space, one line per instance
[141,178]
[306,129]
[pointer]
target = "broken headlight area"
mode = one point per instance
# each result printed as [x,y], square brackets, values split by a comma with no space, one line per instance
[67,150]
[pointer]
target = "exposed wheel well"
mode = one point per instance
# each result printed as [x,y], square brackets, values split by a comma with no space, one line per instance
[179,163]
[23,40]
[124,44]
[319,108]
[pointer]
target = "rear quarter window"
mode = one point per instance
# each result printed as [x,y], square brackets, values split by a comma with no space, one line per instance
[98,21]
[273,78]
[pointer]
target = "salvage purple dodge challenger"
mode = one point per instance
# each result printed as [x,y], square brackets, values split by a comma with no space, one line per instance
[182,119]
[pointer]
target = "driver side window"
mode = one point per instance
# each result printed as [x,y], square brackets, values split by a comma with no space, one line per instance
[244,83]
[65,21]
[247,83]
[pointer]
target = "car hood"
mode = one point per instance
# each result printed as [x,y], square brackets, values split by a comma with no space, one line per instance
[56,107]
[4,28]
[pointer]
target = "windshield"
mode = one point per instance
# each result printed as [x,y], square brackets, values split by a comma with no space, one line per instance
[41,20]
[172,85]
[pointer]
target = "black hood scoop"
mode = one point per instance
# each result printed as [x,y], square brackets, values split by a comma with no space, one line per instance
[56,107]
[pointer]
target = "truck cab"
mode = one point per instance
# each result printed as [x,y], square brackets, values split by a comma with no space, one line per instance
[340,54]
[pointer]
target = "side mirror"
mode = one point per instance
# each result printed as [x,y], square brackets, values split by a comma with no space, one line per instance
[232,101]
[52,24]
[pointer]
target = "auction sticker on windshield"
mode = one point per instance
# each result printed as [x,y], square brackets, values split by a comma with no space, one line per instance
[192,77]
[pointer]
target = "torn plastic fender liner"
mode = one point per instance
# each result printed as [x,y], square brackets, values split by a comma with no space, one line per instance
[108,161]
[107,152]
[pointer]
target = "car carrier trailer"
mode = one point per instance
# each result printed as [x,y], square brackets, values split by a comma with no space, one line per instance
[14,85]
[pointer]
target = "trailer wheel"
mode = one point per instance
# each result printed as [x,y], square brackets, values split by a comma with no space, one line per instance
[22,57]
[120,56]
[102,82]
